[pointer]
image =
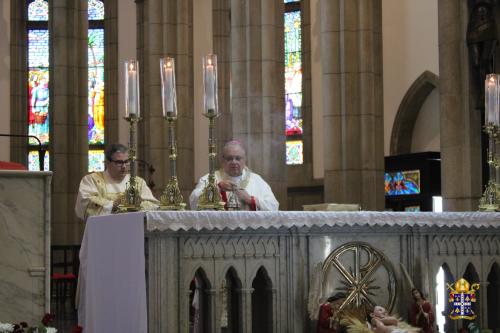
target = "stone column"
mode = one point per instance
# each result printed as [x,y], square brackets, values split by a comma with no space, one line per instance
[246,310]
[68,27]
[353,105]
[165,29]
[18,81]
[460,122]
[111,68]
[257,101]
[222,48]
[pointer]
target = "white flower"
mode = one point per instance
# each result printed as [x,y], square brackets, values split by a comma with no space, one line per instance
[51,330]
[6,328]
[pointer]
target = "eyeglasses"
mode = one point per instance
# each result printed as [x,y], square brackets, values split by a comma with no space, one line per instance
[120,162]
[233,158]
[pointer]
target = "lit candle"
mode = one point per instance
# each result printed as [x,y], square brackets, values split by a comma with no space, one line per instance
[168,87]
[492,92]
[132,88]
[210,86]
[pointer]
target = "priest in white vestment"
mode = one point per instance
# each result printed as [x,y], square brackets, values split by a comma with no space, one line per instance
[100,192]
[237,184]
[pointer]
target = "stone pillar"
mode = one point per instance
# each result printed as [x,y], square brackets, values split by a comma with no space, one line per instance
[68,27]
[111,68]
[222,48]
[165,29]
[18,81]
[353,105]
[257,96]
[246,310]
[460,122]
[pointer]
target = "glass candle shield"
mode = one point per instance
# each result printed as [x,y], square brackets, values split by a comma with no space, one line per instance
[168,93]
[210,104]
[492,99]
[132,89]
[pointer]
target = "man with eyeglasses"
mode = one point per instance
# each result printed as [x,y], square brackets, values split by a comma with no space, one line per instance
[100,193]
[240,188]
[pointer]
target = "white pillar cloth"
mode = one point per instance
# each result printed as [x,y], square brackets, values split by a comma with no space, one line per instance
[112,293]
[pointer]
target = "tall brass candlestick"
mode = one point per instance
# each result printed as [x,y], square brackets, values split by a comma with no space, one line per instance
[210,198]
[131,202]
[171,199]
[490,201]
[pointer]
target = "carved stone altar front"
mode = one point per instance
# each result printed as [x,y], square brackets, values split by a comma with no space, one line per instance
[268,271]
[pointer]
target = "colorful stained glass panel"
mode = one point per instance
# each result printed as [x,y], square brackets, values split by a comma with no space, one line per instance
[38,10]
[95,10]
[34,161]
[96,160]
[402,182]
[293,73]
[38,85]
[294,153]
[96,86]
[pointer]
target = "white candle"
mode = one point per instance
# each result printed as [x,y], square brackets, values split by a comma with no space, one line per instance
[210,87]
[132,89]
[491,99]
[169,89]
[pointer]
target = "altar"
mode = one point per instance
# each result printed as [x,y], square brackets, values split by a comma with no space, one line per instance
[268,271]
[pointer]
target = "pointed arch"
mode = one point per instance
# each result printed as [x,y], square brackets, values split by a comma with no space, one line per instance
[200,302]
[262,302]
[493,298]
[231,302]
[408,112]
[444,277]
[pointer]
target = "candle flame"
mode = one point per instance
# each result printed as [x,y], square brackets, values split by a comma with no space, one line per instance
[131,67]
[169,64]
[209,61]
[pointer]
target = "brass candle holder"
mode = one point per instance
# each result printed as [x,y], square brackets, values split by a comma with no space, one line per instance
[171,199]
[210,198]
[131,200]
[490,201]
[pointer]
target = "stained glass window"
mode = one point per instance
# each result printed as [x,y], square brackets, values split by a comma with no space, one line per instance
[402,182]
[38,80]
[294,152]
[38,10]
[96,86]
[34,161]
[293,81]
[96,105]
[95,10]
[96,160]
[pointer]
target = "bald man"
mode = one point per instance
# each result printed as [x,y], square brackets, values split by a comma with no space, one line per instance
[240,188]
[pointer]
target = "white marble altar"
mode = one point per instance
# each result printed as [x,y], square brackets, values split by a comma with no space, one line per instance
[279,265]
[24,245]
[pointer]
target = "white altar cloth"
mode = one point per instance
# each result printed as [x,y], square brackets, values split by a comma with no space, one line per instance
[112,275]
[214,220]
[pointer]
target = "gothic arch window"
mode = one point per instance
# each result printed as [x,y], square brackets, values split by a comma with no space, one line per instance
[293,82]
[96,85]
[37,13]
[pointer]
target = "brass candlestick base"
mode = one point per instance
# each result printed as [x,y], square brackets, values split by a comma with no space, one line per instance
[488,202]
[172,199]
[210,198]
[131,200]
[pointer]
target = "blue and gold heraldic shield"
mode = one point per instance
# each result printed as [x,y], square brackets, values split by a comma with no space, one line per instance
[462,295]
